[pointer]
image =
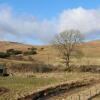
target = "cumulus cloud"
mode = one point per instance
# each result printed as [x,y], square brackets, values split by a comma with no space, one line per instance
[23,27]
[85,20]
[20,27]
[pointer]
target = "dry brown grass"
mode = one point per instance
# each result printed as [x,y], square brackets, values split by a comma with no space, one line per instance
[49,55]
[23,84]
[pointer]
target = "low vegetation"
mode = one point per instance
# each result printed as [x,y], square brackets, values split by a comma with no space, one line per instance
[31,51]
[29,67]
[24,84]
[9,52]
[42,69]
[4,55]
[13,52]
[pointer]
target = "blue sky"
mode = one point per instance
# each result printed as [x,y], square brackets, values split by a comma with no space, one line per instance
[37,20]
[48,8]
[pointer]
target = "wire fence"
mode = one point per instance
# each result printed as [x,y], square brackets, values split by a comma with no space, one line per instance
[87,94]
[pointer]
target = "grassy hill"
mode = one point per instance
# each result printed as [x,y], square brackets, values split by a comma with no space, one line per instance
[92,48]
[42,51]
[47,55]
[4,45]
[28,82]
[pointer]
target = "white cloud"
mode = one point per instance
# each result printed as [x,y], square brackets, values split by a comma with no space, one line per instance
[19,26]
[24,26]
[86,20]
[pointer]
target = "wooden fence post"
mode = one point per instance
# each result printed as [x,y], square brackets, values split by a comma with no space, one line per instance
[90,93]
[79,97]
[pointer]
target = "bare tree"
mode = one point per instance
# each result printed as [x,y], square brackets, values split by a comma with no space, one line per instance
[67,44]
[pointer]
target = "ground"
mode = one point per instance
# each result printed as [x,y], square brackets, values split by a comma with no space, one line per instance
[96,98]
[24,84]
[21,84]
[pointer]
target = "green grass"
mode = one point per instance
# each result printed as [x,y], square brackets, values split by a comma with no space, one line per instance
[23,85]
[20,86]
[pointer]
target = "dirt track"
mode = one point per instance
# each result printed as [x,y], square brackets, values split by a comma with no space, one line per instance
[68,93]
[96,98]
[60,91]
[63,95]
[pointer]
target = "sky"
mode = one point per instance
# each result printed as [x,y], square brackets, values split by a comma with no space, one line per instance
[37,21]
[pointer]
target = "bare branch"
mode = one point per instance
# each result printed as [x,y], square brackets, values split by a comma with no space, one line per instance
[66,43]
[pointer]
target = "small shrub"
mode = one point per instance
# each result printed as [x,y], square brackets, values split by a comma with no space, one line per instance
[32,48]
[42,48]
[30,68]
[4,55]
[89,68]
[31,51]
[13,52]
[6,74]
[42,68]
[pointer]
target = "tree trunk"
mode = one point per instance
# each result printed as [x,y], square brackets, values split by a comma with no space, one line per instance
[67,63]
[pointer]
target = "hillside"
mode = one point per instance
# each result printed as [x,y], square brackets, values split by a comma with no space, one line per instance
[4,45]
[91,48]
[47,54]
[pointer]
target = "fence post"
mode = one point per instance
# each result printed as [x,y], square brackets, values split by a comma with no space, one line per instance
[96,90]
[79,97]
[71,98]
[90,93]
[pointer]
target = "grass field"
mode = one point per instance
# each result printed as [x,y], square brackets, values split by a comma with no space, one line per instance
[19,86]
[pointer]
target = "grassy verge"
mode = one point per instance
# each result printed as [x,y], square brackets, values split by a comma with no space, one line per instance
[20,85]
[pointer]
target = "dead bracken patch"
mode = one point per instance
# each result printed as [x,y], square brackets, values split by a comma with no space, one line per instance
[3,90]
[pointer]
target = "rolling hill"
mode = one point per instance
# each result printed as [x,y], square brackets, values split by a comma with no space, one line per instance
[47,54]
[91,48]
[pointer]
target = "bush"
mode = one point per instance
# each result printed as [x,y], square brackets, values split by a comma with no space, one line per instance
[42,48]
[10,50]
[31,51]
[42,68]
[13,52]
[6,74]
[22,67]
[89,68]
[4,55]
